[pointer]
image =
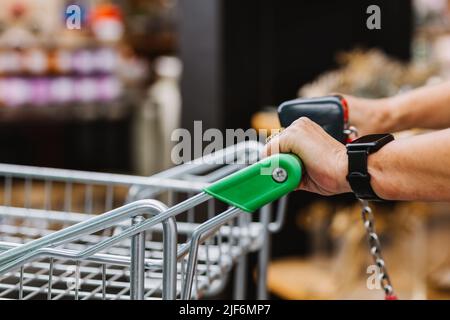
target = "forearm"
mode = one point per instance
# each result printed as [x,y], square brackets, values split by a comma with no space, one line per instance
[416,168]
[427,107]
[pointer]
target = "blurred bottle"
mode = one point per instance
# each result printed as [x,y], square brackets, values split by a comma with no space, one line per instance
[40,91]
[62,90]
[158,117]
[165,95]
[35,61]
[10,61]
[107,23]
[106,60]
[83,62]
[60,61]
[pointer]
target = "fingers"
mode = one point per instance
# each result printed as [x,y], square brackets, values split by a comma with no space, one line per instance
[277,144]
[272,147]
[323,156]
[292,138]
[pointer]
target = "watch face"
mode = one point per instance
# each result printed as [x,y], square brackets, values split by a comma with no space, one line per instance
[369,138]
[371,142]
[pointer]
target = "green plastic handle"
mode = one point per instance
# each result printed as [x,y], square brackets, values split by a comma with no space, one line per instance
[259,184]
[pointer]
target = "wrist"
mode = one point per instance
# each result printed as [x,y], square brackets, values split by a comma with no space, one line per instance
[380,177]
[342,171]
[391,115]
[371,115]
[383,115]
[363,172]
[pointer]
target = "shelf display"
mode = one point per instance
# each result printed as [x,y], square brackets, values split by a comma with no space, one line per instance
[42,66]
[41,77]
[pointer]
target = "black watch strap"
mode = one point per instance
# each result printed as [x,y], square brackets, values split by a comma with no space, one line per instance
[359,177]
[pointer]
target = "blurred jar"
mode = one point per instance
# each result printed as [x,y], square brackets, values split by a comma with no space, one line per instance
[35,61]
[10,61]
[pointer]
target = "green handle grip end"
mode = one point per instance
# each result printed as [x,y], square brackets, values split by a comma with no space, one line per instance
[259,184]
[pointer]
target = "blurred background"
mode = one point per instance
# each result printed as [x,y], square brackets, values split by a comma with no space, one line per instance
[107,97]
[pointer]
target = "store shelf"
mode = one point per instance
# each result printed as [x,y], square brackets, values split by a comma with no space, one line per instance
[67,113]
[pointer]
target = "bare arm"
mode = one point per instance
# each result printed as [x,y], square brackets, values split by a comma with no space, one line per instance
[415,168]
[427,107]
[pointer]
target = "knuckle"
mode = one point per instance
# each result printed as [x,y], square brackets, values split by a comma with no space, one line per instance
[290,133]
[302,122]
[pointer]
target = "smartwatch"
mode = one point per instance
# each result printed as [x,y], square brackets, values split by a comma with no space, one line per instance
[358,151]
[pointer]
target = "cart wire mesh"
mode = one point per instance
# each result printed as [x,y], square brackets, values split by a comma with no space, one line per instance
[68,234]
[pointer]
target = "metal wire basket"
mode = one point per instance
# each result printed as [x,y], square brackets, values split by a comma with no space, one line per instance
[80,235]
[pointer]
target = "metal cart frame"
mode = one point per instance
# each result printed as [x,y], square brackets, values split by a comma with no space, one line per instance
[139,241]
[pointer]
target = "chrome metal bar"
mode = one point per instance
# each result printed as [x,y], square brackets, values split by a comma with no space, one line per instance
[137,269]
[207,264]
[196,167]
[264,253]
[109,199]
[103,281]
[21,283]
[87,280]
[170,257]
[63,175]
[77,280]
[240,277]
[50,280]
[190,212]
[102,222]
[88,199]
[280,215]
[44,215]
[71,254]
[117,260]
[127,233]
[216,174]
[67,200]
[203,231]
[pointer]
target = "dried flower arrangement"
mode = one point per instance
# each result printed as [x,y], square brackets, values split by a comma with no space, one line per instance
[370,74]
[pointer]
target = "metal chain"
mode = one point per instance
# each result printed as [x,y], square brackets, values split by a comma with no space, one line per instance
[372,237]
[375,248]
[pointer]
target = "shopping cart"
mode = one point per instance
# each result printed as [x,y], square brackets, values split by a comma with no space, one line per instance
[81,235]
